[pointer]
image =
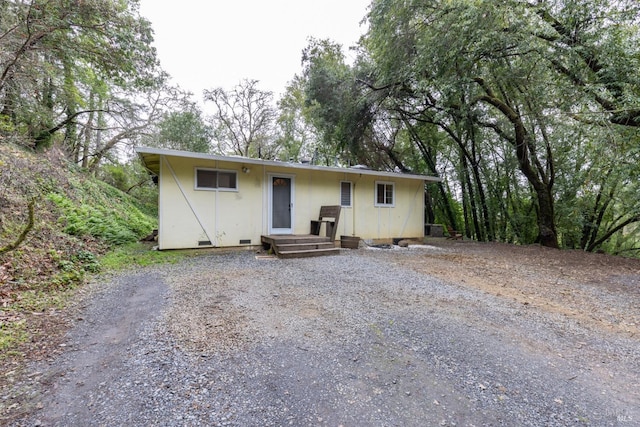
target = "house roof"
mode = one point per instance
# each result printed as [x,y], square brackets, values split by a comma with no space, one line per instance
[151,159]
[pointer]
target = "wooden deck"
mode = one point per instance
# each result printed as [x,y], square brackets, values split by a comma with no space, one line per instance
[299,245]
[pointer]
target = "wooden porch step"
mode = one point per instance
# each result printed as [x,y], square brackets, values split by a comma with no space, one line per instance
[291,240]
[308,253]
[307,246]
[298,246]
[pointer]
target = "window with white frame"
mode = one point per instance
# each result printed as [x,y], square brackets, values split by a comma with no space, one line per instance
[385,194]
[213,179]
[345,194]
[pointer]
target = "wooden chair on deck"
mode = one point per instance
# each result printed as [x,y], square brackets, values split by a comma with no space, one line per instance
[329,215]
[453,234]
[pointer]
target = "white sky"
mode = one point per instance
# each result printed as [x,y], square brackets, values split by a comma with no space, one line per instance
[204,44]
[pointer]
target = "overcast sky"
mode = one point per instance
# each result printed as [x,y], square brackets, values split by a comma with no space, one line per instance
[205,44]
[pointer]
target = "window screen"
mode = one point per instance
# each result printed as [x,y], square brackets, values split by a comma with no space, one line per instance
[227,180]
[211,179]
[345,194]
[206,178]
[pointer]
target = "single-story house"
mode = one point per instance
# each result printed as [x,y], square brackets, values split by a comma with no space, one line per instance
[223,201]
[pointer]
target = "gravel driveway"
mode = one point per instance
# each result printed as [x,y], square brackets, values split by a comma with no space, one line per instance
[351,340]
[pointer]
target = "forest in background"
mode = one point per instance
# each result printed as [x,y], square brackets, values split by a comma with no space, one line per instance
[529,110]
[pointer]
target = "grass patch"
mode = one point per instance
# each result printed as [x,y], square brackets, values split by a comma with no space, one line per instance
[39,301]
[11,335]
[139,254]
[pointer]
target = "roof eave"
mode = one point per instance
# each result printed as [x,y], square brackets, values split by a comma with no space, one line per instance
[150,156]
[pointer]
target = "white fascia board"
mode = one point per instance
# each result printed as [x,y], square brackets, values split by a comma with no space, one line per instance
[300,166]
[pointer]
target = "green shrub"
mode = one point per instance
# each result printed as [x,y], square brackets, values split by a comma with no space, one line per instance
[115,224]
[87,261]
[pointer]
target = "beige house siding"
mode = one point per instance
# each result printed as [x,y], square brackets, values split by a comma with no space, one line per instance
[224,217]
[190,217]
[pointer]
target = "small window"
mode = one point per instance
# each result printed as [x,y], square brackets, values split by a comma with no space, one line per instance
[385,193]
[345,194]
[227,180]
[206,178]
[211,179]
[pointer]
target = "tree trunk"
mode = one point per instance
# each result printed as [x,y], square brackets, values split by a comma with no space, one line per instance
[487,230]
[23,234]
[429,159]
[88,129]
[547,235]
[471,195]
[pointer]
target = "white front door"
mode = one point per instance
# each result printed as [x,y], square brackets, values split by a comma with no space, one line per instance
[281,191]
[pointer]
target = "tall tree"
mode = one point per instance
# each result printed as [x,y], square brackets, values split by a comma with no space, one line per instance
[244,119]
[184,130]
[48,47]
[296,135]
[594,44]
[518,72]
[336,104]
